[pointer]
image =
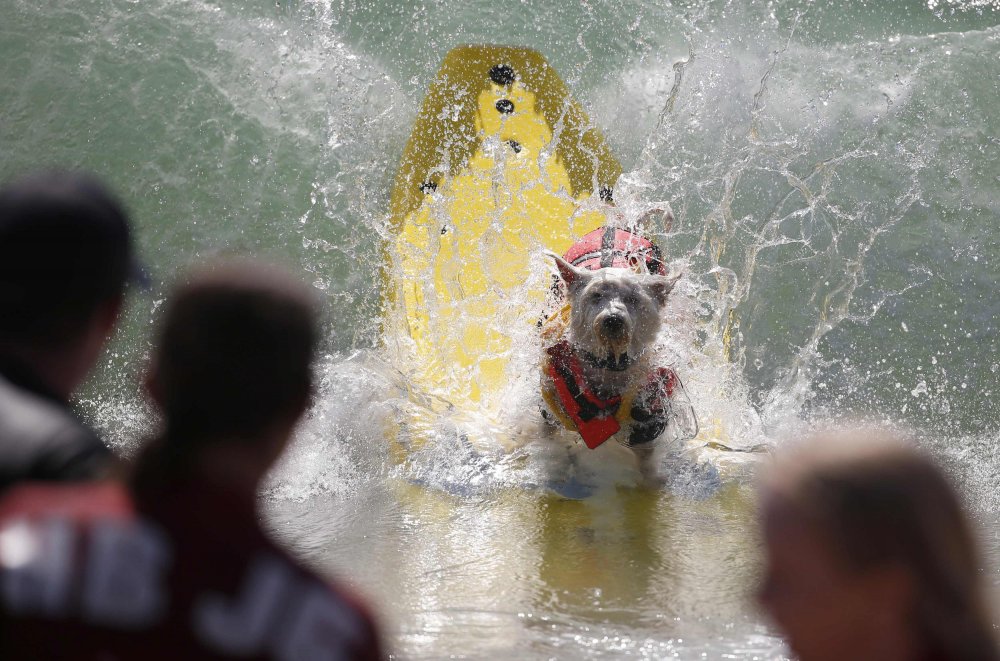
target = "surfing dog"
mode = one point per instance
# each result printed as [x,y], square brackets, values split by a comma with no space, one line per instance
[600,376]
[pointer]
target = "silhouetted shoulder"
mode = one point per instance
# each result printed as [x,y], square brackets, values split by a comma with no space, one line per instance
[42,440]
[322,614]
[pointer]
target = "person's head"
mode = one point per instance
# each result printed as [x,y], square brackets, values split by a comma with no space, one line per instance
[233,363]
[870,554]
[65,257]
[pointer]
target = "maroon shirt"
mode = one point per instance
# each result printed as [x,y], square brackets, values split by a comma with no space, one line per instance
[94,572]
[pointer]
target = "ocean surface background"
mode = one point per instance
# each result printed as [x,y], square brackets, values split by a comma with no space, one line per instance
[835,173]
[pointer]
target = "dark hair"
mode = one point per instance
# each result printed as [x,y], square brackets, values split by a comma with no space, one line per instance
[235,353]
[65,248]
[879,501]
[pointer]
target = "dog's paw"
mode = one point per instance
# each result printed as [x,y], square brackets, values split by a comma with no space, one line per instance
[571,488]
[654,481]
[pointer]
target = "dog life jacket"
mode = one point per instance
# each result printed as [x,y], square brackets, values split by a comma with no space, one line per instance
[610,247]
[647,407]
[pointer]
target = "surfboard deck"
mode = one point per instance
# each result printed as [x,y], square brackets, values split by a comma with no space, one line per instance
[498,166]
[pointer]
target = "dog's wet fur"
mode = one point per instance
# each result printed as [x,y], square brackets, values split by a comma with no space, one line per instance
[615,317]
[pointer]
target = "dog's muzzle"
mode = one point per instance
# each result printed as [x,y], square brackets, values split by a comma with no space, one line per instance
[614,326]
[614,330]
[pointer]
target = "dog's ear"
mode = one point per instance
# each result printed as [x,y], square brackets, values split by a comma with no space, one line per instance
[571,275]
[660,286]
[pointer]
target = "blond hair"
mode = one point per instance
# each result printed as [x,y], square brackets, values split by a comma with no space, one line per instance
[880,501]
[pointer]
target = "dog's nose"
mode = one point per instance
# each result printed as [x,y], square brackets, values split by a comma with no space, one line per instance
[613,324]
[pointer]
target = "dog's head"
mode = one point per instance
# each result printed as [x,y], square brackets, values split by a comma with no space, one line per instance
[615,313]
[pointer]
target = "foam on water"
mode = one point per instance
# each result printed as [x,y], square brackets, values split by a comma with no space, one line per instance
[341,447]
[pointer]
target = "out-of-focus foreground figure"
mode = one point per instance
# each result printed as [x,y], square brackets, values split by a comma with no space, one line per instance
[65,257]
[870,555]
[174,565]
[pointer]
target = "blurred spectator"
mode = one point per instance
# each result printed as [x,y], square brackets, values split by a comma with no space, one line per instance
[871,556]
[65,257]
[175,566]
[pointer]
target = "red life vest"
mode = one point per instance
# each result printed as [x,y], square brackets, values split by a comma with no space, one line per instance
[596,419]
[610,247]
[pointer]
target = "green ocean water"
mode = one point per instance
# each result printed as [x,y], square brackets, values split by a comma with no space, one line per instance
[835,173]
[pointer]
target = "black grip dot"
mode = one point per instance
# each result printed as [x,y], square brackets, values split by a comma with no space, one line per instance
[505,106]
[502,74]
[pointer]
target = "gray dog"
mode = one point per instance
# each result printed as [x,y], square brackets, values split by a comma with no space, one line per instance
[600,377]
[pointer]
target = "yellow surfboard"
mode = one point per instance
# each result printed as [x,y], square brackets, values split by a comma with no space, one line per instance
[501,164]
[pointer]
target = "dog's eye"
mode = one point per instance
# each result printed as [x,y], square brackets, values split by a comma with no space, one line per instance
[596,296]
[631,299]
